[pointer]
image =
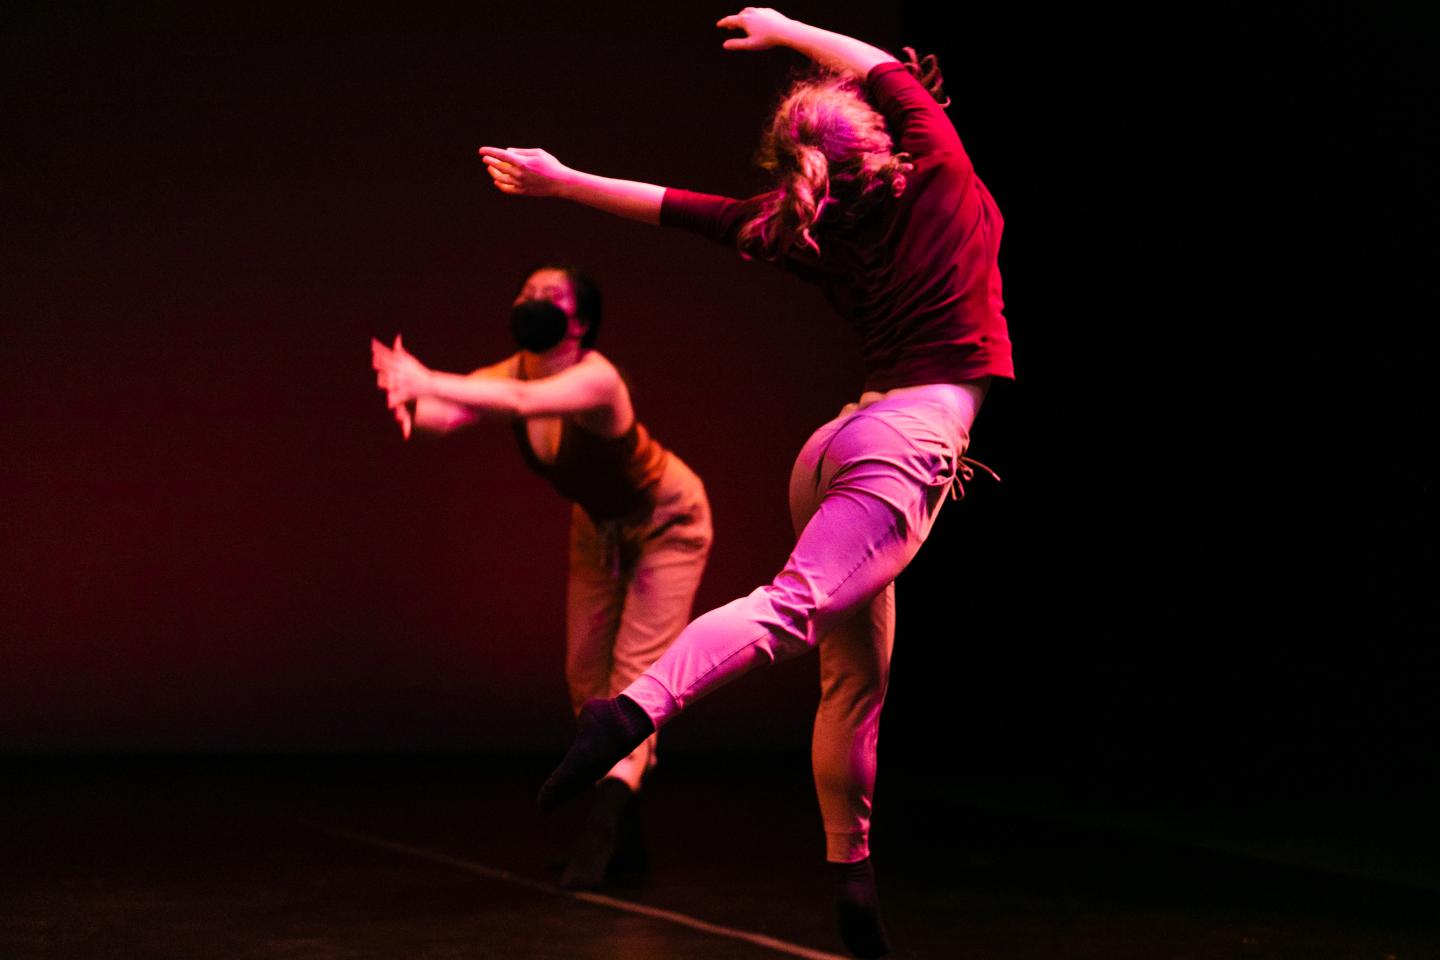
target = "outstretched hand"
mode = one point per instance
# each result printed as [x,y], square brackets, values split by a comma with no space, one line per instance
[763,28]
[527,171]
[401,376]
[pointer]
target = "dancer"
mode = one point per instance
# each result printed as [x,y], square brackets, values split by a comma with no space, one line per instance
[876,200]
[639,521]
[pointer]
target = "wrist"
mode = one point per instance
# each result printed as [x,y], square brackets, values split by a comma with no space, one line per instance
[790,33]
[567,184]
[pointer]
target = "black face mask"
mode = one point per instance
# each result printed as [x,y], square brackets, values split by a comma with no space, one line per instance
[538,325]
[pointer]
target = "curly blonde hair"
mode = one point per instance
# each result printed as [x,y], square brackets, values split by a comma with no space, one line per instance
[827,146]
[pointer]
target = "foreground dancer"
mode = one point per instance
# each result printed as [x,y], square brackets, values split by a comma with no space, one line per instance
[903,238]
[639,523]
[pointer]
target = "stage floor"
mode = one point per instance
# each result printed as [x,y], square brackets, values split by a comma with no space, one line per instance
[446,857]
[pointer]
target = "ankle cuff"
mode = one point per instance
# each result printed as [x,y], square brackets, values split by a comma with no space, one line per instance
[846,847]
[651,696]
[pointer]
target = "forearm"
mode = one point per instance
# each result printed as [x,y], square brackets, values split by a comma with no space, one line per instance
[836,51]
[434,415]
[574,391]
[444,396]
[624,198]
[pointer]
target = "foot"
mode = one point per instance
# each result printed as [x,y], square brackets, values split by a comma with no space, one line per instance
[857,910]
[608,731]
[595,849]
[631,860]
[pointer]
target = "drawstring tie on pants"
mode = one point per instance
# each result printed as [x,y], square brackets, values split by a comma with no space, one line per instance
[965,471]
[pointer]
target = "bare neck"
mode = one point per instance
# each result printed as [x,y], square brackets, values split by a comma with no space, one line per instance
[562,356]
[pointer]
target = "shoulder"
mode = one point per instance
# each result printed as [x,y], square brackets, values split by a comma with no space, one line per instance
[609,393]
[951,167]
[596,361]
[597,367]
[891,79]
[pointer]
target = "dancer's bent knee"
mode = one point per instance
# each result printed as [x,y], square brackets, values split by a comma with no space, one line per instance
[770,623]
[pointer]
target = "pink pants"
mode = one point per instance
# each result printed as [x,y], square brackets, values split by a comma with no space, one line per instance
[864,493]
[632,583]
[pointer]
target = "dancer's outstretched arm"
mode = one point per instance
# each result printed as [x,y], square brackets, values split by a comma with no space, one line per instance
[590,384]
[433,415]
[765,28]
[532,172]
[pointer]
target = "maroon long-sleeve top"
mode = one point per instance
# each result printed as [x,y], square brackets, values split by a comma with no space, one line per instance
[917,277]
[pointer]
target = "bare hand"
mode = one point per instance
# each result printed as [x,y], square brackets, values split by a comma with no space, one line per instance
[527,171]
[401,376]
[381,357]
[763,28]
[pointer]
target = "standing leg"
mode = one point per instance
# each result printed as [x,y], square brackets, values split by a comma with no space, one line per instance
[666,558]
[854,671]
[663,559]
[594,598]
[854,674]
[594,595]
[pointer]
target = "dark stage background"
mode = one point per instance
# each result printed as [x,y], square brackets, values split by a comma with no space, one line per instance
[1212,553]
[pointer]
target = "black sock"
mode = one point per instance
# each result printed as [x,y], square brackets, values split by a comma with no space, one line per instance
[631,860]
[608,731]
[857,909]
[594,849]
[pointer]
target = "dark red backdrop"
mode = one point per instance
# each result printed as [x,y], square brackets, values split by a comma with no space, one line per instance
[218,541]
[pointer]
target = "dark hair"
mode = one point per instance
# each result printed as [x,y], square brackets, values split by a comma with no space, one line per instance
[587,296]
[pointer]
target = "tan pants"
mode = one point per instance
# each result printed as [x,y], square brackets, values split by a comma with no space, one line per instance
[632,583]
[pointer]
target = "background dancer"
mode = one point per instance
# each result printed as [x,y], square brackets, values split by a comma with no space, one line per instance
[903,237]
[640,521]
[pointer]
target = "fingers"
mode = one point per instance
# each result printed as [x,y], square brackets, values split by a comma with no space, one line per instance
[758,24]
[401,353]
[383,359]
[509,156]
[503,175]
[379,353]
[397,390]
[506,180]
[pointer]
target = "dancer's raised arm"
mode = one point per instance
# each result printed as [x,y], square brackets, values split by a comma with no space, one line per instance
[532,172]
[765,28]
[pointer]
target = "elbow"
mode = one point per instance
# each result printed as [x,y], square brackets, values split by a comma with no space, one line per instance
[526,400]
[519,400]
